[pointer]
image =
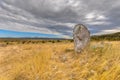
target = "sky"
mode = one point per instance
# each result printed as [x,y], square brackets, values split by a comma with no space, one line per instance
[16,34]
[57,18]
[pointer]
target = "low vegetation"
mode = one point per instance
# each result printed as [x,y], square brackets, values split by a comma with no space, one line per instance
[43,60]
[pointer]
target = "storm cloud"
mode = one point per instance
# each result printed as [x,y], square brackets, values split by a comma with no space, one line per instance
[59,16]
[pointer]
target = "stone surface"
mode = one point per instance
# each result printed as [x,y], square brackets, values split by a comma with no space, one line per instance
[81,37]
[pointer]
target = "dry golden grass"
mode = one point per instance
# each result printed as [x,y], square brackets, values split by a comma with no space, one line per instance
[48,61]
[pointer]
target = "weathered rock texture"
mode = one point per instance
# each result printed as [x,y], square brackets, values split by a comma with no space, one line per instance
[81,37]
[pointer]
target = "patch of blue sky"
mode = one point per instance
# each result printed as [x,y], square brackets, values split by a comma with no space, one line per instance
[16,34]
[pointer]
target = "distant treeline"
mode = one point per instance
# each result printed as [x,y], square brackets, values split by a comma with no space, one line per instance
[11,41]
[110,37]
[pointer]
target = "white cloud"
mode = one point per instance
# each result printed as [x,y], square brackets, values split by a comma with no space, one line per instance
[108,31]
[101,17]
[90,15]
[99,23]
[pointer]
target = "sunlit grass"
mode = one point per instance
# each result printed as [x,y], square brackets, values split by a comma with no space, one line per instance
[58,61]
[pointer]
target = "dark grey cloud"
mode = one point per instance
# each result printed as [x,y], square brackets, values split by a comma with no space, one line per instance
[60,16]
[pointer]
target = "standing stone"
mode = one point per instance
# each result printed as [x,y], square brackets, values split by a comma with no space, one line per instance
[81,37]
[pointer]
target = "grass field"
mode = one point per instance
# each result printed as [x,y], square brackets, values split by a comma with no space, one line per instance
[58,61]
